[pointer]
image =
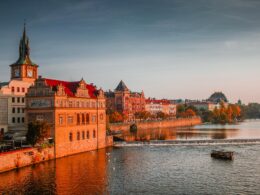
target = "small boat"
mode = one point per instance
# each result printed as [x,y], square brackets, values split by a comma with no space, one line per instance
[225,155]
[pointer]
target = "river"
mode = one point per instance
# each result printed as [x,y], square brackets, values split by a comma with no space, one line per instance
[148,169]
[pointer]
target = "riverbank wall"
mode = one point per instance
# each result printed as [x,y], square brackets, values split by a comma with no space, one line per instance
[28,156]
[181,122]
[24,157]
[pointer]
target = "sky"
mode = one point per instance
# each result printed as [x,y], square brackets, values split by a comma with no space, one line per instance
[168,48]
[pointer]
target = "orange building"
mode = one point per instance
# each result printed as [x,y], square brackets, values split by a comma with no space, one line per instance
[125,101]
[75,111]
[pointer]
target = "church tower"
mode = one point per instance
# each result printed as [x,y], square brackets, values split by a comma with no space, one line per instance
[24,69]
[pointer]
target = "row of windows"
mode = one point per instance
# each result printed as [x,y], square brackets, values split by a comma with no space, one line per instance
[78,104]
[18,120]
[18,100]
[82,119]
[19,89]
[82,135]
[18,110]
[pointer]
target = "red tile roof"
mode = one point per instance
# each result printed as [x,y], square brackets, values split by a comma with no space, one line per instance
[155,101]
[70,87]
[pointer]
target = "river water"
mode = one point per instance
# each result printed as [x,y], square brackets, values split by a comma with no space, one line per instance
[147,169]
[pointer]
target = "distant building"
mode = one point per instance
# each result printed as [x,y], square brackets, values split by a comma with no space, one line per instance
[76,112]
[12,93]
[218,97]
[125,101]
[154,106]
[204,105]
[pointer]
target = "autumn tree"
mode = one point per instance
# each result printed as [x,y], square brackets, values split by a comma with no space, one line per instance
[116,117]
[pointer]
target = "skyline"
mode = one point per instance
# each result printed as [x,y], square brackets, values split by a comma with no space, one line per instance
[169,49]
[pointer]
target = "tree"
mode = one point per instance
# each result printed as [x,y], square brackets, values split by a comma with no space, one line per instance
[116,117]
[37,132]
[190,113]
[161,115]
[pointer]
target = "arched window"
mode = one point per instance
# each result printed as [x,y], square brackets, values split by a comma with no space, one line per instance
[83,134]
[87,118]
[71,137]
[87,134]
[78,135]
[94,133]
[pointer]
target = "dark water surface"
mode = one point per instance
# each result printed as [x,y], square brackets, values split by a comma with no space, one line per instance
[142,170]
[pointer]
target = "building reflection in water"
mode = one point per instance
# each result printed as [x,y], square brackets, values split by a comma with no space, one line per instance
[84,173]
[179,134]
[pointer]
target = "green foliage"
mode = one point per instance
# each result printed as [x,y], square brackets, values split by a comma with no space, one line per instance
[184,111]
[251,111]
[37,132]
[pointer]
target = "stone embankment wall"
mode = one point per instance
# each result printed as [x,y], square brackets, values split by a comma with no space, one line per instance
[158,124]
[24,157]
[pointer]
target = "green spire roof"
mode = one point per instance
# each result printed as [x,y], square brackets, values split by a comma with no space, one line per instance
[24,50]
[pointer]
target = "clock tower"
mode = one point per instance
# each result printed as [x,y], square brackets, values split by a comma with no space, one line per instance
[24,69]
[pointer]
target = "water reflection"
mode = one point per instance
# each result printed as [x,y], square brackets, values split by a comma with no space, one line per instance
[85,173]
[245,130]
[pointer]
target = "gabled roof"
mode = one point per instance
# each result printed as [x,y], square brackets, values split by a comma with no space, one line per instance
[121,86]
[70,88]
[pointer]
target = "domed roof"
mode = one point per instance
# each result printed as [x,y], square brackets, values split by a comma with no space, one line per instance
[218,97]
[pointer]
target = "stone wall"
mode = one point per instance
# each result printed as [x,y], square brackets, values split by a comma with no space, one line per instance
[24,157]
[158,124]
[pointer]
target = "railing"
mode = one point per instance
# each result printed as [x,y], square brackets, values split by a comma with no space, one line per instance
[9,145]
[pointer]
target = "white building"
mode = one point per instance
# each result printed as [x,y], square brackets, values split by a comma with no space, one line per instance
[154,106]
[12,93]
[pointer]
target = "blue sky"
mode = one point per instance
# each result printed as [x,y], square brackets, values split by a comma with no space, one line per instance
[168,48]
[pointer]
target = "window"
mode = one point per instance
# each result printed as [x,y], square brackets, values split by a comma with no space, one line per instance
[78,119]
[94,133]
[13,119]
[83,118]
[18,100]
[93,118]
[13,99]
[78,136]
[87,118]
[39,117]
[71,137]
[101,116]
[18,89]
[70,104]
[83,134]
[22,119]
[13,110]
[70,119]
[23,110]
[22,100]
[60,120]
[18,110]
[23,89]
[87,134]
[13,89]
[18,119]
